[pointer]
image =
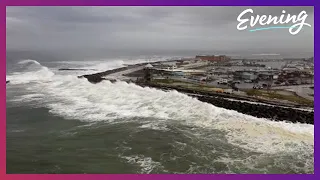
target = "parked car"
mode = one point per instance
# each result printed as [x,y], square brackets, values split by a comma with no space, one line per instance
[228,91]
[293,82]
[223,81]
[230,81]
[237,82]
[257,87]
[248,81]
[235,88]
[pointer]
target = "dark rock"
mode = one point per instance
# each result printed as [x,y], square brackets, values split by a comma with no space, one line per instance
[94,78]
[75,69]
[98,77]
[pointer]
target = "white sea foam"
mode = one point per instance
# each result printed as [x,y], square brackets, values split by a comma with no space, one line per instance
[17,130]
[94,66]
[75,98]
[31,71]
[29,61]
[146,164]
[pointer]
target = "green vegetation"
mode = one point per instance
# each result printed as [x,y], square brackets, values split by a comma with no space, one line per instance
[166,81]
[273,94]
[187,85]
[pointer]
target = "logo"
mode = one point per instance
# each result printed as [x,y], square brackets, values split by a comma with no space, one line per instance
[273,22]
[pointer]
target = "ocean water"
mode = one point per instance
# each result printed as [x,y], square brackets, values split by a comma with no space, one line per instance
[57,123]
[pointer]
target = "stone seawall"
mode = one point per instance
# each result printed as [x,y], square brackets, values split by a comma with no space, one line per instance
[98,77]
[262,111]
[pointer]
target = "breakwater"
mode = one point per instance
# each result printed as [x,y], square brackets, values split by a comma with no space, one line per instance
[98,77]
[75,69]
[275,113]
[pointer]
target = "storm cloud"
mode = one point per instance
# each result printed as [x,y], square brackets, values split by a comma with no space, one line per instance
[94,31]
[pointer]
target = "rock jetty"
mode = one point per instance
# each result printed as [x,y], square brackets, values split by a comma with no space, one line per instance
[98,77]
[75,69]
[275,113]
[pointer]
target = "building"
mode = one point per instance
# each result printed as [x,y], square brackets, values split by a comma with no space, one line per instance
[290,69]
[266,76]
[170,63]
[212,57]
[194,65]
[310,59]
[178,73]
[248,76]
[148,72]
[148,66]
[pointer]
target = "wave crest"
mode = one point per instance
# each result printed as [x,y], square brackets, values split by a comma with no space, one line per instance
[29,71]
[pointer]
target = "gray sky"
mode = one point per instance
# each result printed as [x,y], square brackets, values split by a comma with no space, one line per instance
[97,31]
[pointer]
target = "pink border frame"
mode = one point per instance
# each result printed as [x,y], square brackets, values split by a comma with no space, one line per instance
[5,3]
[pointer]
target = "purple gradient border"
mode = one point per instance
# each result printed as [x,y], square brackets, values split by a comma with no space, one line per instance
[4,3]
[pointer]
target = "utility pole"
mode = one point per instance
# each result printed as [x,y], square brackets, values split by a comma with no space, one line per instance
[147,74]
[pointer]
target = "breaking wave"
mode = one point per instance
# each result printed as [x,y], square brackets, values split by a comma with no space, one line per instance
[30,71]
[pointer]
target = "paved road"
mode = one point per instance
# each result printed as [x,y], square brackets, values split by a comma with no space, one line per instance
[119,75]
[296,86]
[301,90]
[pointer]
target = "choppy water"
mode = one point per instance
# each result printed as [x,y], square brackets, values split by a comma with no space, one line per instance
[57,123]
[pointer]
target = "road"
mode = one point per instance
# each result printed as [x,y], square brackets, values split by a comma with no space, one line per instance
[301,90]
[119,75]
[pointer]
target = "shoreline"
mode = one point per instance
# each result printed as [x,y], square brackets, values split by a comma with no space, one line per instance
[275,112]
[272,110]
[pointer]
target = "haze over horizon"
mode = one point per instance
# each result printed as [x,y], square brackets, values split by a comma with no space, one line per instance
[100,32]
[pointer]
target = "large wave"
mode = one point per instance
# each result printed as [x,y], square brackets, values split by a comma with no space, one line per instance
[28,71]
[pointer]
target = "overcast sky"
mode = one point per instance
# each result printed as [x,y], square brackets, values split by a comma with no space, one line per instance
[100,30]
